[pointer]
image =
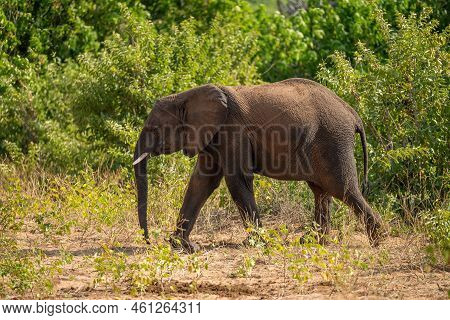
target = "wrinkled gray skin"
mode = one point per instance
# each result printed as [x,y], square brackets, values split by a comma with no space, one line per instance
[291,130]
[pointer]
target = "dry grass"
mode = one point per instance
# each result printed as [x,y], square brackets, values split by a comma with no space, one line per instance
[397,270]
[87,224]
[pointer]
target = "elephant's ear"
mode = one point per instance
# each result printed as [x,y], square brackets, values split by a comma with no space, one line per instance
[203,112]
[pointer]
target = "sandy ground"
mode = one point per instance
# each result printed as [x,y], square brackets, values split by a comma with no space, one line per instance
[399,270]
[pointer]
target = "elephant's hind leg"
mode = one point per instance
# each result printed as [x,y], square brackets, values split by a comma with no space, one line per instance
[340,180]
[372,220]
[322,202]
[350,194]
[241,190]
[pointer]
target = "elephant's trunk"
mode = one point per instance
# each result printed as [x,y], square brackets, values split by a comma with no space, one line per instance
[140,172]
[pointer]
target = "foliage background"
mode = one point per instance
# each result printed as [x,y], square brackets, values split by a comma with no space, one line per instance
[77,79]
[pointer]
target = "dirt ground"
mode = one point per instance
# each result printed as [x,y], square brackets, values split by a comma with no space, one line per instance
[400,271]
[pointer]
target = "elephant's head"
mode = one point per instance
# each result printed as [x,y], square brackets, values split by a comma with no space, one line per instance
[186,121]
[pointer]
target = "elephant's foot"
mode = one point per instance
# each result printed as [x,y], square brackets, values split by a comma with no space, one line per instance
[182,244]
[321,233]
[376,236]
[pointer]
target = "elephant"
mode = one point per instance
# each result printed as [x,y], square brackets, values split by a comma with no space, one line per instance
[294,129]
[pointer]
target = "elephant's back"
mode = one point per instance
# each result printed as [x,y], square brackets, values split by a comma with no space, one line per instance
[288,102]
[319,97]
[268,104]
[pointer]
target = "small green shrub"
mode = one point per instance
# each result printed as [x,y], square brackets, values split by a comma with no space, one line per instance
[150,268]
[155,269]
[30,273]
[110,267]
[245,268]
[437,227]
[300,257]
[196,264]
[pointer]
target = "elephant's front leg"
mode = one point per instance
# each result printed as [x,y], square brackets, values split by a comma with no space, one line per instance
[204,180]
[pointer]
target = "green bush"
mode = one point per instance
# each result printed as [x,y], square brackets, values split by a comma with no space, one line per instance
[65,114]
[287,46]
[403,101]
[437,227]
[35,118]
[49,29]
[293,46]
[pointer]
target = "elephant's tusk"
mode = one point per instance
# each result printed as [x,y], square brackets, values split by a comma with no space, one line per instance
[142,157]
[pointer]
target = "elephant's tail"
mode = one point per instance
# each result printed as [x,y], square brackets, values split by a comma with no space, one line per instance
[360,130]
